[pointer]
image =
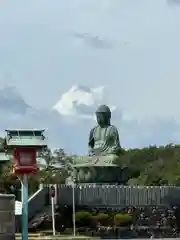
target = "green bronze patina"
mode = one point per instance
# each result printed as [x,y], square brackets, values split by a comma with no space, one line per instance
[104,148]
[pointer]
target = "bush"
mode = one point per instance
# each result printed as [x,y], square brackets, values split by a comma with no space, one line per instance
[122,219]
[87,219]
[83,219]
[102,218]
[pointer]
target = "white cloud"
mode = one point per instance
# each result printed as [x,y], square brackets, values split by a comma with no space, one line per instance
[68,127]
[81,101]
[86,42]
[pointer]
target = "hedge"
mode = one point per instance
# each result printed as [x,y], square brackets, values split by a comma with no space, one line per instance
[87,219]
[122,219]
[83,218]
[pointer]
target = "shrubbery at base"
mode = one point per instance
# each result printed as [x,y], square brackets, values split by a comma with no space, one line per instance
[87,219]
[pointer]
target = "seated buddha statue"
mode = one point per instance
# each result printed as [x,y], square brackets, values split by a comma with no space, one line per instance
[104,149]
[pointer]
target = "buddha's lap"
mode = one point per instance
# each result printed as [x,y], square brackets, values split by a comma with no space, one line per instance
[96,174]
[111,158]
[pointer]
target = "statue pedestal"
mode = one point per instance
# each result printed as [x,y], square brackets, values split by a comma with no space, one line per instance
[109,174]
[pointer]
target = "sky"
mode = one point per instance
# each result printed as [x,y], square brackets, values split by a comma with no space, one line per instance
[130,47]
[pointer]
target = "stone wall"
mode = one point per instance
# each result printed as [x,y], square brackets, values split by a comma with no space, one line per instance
[7,217]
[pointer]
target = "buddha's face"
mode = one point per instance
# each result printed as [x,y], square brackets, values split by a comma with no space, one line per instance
[102,119]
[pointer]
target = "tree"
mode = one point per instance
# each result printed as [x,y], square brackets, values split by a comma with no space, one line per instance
[153,165]
[2,144]
[56,168]
[9,183]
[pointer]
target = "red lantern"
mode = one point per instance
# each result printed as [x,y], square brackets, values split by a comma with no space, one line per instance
[24,160]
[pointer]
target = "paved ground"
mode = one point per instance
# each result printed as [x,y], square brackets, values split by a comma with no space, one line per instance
[50,237]
[37,236]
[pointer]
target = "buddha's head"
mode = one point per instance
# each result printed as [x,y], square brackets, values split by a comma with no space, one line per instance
[103,115]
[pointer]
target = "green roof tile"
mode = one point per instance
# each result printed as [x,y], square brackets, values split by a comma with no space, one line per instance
[24,141]
[25,137]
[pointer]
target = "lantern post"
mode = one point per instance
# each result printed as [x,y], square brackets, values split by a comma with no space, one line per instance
[24,199]
[22,146]
[52,193]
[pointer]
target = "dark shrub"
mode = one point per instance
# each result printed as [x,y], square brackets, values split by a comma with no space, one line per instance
[83,219]
[122,219]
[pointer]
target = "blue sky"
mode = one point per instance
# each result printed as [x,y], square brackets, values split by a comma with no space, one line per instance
[131,47]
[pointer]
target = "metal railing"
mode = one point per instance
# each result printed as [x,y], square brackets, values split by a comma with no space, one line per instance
[38,201]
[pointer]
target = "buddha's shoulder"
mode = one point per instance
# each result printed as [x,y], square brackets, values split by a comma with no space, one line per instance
[110,127]
[95,128]
[113,129]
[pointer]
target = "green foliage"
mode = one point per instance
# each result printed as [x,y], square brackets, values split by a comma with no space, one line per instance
[49,172]
[147,166]
[102,219]
[56,168]
[153,165]
[83,219]
[87,219]
[122,219]
[2,143]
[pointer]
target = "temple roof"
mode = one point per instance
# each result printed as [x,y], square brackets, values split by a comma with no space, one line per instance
[25,130]
[25,137]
